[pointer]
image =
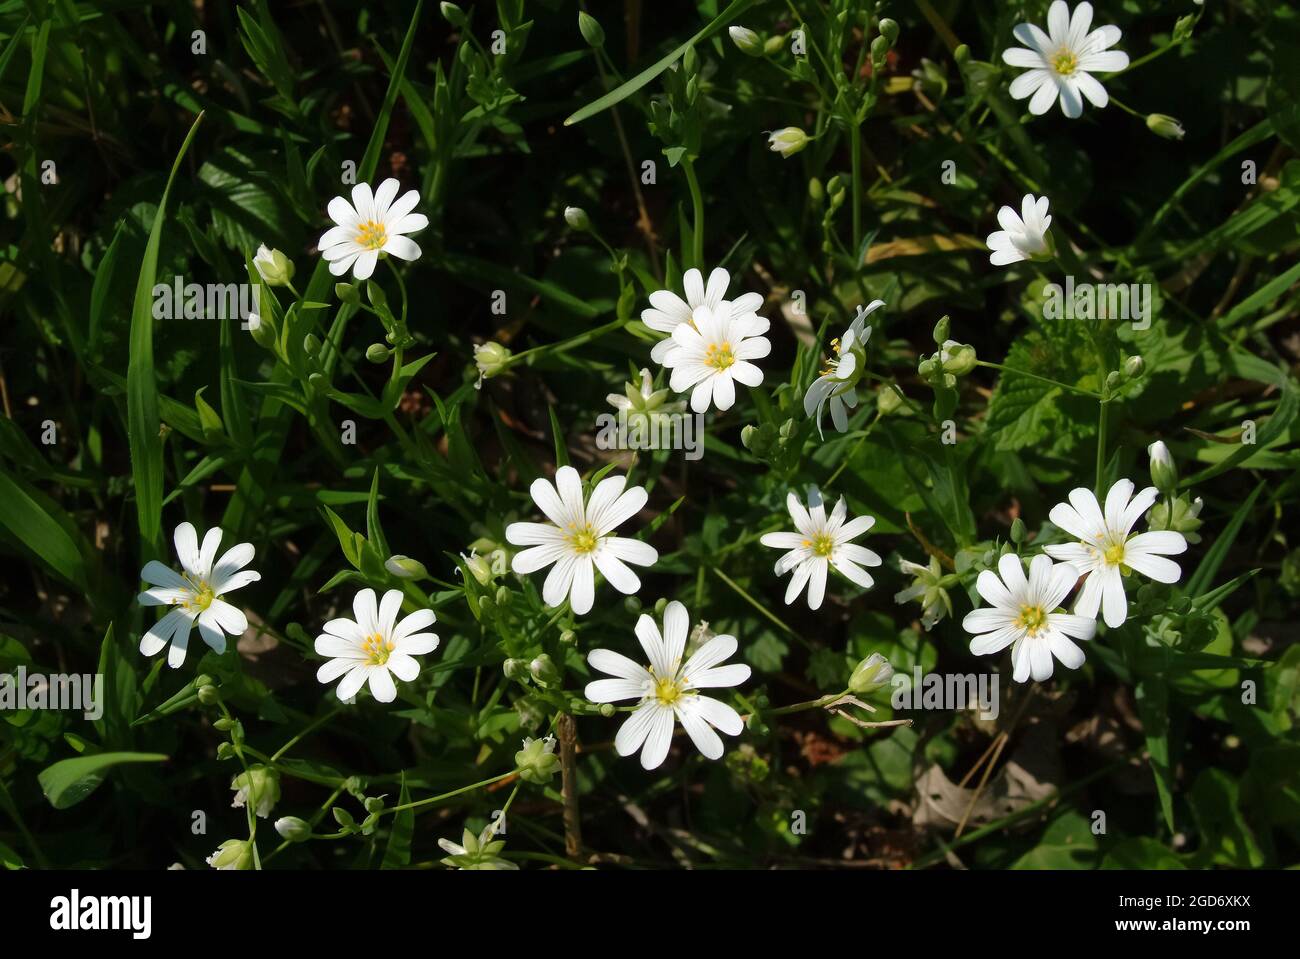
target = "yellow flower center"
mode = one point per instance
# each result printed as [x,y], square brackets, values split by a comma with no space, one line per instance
[201,594]
[372,235]
[667,691]
[1065,62]
[582,539]
[719,356]
[823,544]
[1031,619]
[377,649]
[1114,554]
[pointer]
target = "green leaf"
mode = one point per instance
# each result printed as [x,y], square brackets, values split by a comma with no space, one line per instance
[69,781]
[1217,553]
[1153,709]
[32,524]
[143,419]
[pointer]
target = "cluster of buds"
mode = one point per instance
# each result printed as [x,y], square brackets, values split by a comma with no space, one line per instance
[942,367]
[752,45]
[930,587]
[642,404]
[1130,371]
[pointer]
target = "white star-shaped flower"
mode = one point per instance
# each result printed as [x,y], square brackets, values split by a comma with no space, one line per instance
[196,594]
[1062,61]
[820,543]
[1022,237]
[373,223]
[668,689]
[1108,551]
[375,647]
[668,310]
[712,354]
[1023,615]
[580,538]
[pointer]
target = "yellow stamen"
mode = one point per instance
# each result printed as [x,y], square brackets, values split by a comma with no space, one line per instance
[1064,61]
[372,235]
[1031,619]
[582,539]
[377,649]
[823,544]
[719,356]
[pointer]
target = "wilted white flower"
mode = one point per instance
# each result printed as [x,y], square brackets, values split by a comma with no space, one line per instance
[787,141]
[261,785]
[1022,237]
[1061,62]
[668,689]
[373,223]
[929,586]
[232,854]
[1108,551]
[580,538]
[1023,615]
[476,852]
[375,647]
[196,594]
[821,543]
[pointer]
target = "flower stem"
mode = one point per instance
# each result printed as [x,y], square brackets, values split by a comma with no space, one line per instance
[697,223]
[1065,386]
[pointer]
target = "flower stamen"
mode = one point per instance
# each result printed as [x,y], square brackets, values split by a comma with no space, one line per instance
[372,235]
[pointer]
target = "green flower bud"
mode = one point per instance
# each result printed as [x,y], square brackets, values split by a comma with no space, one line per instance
[879,50]
[1134,367]
[871,674]
[347,293]
[590,29]
[544,671]
[941,330]
[491,358]
[568,637]
[887,400]
[889,30]
[787,141]
[1164,474]
[454,14]
[746,40]
[378,353]
[232,854]
[957,358]
[262,330]
[773,45]
[225,723]
[1165,126]
[311,344]
[403,567]
[275,268]
[1113,380]
[343,817]
[208,695]
[1017,531]
[961,55]
[260,786]
[374,804]
[607,710]
[293,829]
[515,669]
[225,751]
[816,192]
[577,218]
[537,761]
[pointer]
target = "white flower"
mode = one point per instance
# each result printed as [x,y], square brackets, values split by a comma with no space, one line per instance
[373,223]
[1062,61]
[196,594]
[668,310]
[579,538]
[1022,237]
[1108,552]
[819,544]
[375,647]
[669,689]
[1023,616]
[644,399]
[713,353]
[837,384]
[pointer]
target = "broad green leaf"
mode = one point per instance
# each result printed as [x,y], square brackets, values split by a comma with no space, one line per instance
[69,781]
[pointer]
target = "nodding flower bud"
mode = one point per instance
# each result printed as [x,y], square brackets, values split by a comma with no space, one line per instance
[1134,367]
[232,854]
[787,141]
[275,268]
[403,567]
[957,358]
[347,293]
[871,674]
[577,218]
[941,330]
[491,358]
[889,30]
[1164,474]
[746,40]
[260,786]
[454,14]
[1165,126]
[515,669]
[591,29]
[880,49]
[1017,531]
[378,353]
[544,671]
[293,829]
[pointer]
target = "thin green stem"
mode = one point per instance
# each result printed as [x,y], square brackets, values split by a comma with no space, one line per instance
[309,728]
[697,223]
[1065,386]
